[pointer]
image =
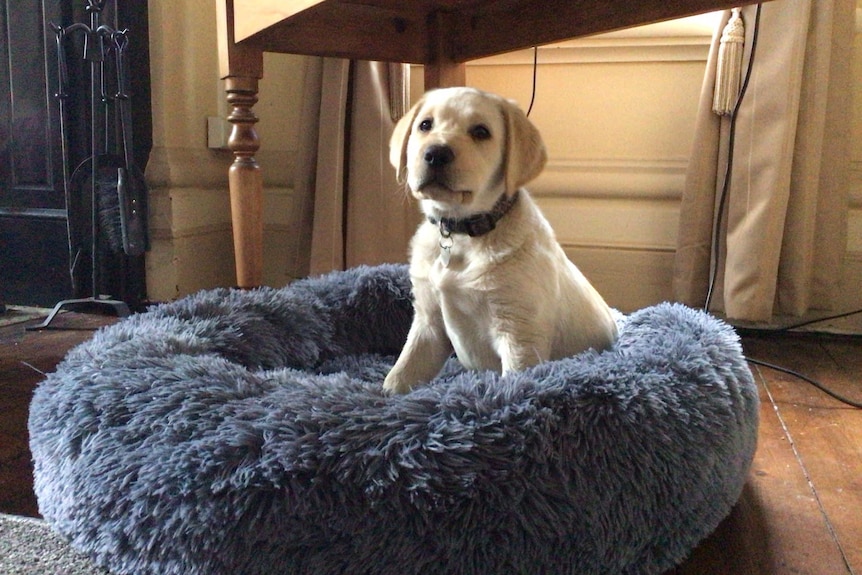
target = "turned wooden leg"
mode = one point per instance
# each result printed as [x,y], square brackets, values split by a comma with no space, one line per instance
[443,71]
[241,67]
[443,74]
[246,182]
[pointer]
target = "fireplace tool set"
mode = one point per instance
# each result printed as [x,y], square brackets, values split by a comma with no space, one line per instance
[117,190]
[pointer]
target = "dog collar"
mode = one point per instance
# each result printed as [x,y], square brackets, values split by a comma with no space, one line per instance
[477,224]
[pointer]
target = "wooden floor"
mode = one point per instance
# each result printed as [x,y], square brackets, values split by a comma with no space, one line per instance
[24,357]
[800,513]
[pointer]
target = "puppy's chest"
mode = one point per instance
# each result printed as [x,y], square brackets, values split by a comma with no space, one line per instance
[462,276]
[455,269]
[468,316]
[454,259]
[459,299]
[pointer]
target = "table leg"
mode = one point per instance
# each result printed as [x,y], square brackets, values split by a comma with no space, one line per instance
[246,182]
[443,71]
[445,74]
[241,67]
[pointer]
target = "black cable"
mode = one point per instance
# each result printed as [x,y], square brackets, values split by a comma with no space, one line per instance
[791,328]
[817,320]
[815,383]
[535,70]
[731,140]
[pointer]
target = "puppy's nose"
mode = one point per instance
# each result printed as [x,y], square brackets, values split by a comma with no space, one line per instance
[438,155]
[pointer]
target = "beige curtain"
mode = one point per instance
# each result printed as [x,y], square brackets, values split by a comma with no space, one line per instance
[349,208]
[782,238]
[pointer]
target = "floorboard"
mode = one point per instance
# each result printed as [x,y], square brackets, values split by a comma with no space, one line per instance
[825,435]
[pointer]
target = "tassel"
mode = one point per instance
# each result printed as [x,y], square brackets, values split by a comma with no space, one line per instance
[728,71]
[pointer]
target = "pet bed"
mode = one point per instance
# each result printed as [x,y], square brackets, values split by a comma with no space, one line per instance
[247,432]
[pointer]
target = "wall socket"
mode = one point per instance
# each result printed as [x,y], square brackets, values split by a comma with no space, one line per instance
[218,132]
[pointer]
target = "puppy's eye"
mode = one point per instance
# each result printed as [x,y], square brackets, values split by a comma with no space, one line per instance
[426,125]
[480,132]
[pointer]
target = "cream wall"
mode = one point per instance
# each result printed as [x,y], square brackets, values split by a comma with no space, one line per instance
[617,112]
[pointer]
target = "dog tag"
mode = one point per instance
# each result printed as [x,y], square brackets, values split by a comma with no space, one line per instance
[446,243]
[445,256]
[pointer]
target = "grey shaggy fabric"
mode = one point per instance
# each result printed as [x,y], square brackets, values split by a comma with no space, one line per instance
[247,433]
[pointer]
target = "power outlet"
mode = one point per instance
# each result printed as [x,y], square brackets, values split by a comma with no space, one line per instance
[218,132]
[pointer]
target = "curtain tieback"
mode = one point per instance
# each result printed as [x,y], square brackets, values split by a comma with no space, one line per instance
[728,70]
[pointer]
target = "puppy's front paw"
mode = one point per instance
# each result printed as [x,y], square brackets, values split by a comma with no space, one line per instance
[394,384]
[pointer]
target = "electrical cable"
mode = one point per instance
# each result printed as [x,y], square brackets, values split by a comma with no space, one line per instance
[791,328]
[817,320]
[815,383]
[728,171]
[535,71]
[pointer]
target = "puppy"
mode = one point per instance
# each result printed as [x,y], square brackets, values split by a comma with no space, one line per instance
[490,281]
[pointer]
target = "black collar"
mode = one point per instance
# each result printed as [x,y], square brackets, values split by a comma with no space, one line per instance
[477,224]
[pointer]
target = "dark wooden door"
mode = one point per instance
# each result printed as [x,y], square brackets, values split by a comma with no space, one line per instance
[44,226]
[34,252]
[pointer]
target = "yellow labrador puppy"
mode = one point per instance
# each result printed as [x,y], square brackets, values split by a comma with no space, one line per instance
[490,281]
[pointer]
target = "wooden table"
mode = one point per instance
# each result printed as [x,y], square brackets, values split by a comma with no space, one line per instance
[440,34]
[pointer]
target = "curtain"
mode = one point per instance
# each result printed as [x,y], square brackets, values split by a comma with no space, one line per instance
[782,234]
[349,208]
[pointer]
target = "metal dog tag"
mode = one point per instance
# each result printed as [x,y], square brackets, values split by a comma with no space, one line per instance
[445,256]
[446,243]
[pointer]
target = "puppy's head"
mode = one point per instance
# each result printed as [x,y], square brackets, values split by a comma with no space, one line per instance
[461,148]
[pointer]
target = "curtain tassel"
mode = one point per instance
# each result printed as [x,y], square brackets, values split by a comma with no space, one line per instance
[728,71]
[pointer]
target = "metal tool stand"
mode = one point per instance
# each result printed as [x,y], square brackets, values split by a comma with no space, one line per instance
[96,36]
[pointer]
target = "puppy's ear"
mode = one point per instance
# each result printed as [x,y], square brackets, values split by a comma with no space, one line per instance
[525,154]
[398,141]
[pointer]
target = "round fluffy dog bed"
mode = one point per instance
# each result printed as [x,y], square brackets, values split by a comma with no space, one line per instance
[247,432]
